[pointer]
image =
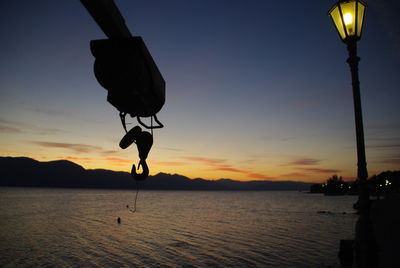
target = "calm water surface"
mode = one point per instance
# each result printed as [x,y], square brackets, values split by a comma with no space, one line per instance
[74,227]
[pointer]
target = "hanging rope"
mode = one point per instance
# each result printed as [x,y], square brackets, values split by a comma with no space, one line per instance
[136,196]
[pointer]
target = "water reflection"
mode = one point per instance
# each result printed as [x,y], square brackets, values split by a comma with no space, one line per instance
[79,227]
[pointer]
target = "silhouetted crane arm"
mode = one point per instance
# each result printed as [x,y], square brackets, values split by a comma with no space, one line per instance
[108,17]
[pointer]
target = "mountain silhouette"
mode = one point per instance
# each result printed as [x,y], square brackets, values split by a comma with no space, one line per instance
[27,172]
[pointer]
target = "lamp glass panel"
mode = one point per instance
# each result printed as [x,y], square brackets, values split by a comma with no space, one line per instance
[349,16]
[360,18]
[337,20]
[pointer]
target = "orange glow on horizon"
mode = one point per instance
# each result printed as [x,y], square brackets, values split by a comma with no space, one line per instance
[298,169]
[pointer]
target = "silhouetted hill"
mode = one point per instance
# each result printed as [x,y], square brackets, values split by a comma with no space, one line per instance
[27,172]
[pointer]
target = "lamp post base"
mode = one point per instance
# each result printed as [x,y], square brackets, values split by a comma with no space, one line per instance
[365,247]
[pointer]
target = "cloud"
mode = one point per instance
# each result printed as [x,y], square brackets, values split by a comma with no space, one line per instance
[279,138]
[302,176]
[74,158]
[75,147]
[392,161]
[384,126]
[383,143]
[81,148]
[206,161]
[110,152]
[46,111]
[11,130]
[304,162]
[111,160]
[119,161]
[23,127]
[248,174]
[229,169]
[167,163]
[172,149]
[321,170]
[295,175]
[308,174]
[258,176]
[60,113]
[220,165]
[385,146]
[305,167]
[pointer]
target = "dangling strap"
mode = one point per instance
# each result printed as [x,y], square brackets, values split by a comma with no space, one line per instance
[160,125]
[151,124]
[122,115]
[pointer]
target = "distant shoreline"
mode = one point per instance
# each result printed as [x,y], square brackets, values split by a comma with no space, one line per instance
[153,190]
[27,172]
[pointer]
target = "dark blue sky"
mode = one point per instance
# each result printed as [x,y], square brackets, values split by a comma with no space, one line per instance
[255,89]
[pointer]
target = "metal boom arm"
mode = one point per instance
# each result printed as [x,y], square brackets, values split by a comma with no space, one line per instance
[108,17]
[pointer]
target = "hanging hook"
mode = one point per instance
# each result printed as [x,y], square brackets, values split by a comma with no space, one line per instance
[144,141]
[144,174]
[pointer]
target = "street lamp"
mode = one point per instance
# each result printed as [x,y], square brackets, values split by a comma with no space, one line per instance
[348,18]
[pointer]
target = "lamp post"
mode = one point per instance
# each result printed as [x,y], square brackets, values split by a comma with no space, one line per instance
[348,18]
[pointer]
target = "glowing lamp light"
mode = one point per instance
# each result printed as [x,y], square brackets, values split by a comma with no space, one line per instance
[348,17]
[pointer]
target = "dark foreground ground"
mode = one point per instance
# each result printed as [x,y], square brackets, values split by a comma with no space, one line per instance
[385,215]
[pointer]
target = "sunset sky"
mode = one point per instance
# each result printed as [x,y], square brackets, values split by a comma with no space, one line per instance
[255,89]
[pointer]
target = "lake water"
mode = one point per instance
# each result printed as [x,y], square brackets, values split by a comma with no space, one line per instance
[75,228]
